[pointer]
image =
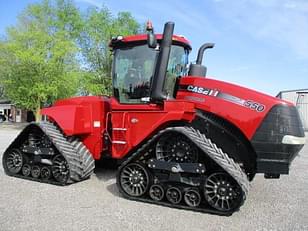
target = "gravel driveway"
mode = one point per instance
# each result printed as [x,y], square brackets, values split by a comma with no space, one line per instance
[95,204]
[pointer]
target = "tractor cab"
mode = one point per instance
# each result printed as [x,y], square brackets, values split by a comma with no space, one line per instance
[134,66]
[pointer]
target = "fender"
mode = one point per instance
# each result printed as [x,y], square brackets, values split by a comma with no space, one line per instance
[82,116]
[70,118]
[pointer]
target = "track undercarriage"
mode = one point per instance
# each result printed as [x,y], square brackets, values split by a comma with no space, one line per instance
[179,167]
[42,153]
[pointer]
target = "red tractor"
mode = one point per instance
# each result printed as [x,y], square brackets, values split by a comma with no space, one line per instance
[184,140]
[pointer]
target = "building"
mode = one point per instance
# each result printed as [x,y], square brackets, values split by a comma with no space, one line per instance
[15,114]
[300,98]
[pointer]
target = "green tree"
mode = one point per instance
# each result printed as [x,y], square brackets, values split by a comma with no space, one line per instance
[55,52]
[38,57]
[99,27]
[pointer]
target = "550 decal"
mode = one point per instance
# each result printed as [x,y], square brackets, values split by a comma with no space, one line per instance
[227,97]
[254,105]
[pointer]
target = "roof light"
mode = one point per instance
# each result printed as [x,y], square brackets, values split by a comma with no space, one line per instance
[149,26]
[120,37]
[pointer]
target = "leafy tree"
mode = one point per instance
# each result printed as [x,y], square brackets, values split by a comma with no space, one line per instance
[55,51]
[99,27]
[38,56]
[1,92]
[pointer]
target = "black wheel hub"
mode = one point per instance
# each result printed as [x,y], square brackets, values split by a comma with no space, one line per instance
[35,171]
[26,170]
[13,161]
[45,142]
[134,179]
[174,195]
[192,198]
[222,192]
[60,169]
[156,192]
[45,173]
[176,148]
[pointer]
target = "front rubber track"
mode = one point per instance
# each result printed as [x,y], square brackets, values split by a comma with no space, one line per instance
[208,148]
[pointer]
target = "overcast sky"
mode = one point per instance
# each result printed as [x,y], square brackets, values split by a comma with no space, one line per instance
[260,44]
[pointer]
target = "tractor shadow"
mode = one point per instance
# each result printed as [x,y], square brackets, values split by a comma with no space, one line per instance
[106,171]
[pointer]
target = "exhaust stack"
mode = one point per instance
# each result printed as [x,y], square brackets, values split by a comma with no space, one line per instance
[157,84]
[198,69]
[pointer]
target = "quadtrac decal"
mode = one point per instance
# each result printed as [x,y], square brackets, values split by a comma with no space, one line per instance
[251,104]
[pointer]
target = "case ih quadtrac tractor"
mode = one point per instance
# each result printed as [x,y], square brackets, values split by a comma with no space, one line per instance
[184,140]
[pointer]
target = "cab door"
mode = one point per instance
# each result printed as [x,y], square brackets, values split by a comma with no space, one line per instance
[131,124]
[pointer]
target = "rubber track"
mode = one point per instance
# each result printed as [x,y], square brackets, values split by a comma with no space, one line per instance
[210,149]
[80,161]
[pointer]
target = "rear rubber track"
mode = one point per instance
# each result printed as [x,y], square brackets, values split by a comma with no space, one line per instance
[79,160]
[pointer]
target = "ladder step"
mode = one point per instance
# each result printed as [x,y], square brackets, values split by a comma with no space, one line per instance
[119,129]
[118,142]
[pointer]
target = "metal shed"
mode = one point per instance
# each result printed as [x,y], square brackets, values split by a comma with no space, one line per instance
[300,98]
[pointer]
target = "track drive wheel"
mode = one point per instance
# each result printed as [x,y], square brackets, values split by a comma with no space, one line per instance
[60,169]
[134,179]
[176,148]
[222,192]
[13,161]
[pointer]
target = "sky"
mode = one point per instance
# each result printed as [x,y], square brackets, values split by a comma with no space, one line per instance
[259,44]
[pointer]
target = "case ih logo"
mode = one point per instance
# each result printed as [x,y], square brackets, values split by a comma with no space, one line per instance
[227,97]
[202,90]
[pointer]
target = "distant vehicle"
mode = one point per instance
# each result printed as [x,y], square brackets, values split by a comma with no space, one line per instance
[2,118]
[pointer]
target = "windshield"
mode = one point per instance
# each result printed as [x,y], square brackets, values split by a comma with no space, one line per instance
[133,70]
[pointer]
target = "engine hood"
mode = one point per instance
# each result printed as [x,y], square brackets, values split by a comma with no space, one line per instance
[243,107]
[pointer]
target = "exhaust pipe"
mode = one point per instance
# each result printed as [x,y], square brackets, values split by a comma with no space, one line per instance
[157,94]
[198,69]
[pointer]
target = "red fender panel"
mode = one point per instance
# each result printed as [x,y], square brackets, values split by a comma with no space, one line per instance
[84,117]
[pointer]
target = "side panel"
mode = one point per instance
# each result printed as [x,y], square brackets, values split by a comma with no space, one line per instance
[242,107]
[84,117]
[131,127]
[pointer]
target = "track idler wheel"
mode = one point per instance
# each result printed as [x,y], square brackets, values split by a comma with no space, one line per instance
[26,170]
[156,192]
[192,198]
[60,169]
[222,192]
[45,173]
[35,171]
[13,161]
[174,195]
[134,179]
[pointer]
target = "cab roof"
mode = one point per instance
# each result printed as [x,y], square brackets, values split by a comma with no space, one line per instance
[121,41]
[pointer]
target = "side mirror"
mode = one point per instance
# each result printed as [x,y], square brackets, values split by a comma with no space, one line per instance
[151,40]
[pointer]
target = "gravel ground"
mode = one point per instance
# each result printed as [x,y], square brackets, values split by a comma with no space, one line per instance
[95,204]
